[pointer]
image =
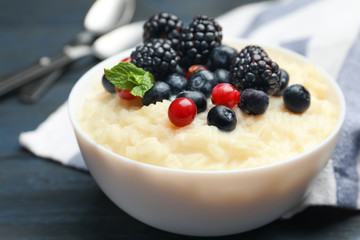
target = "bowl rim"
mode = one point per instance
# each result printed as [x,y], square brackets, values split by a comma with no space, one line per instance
[106,62]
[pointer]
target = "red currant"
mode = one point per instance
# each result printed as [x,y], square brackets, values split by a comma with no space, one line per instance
[225,94]
[193,69]
[124,94]
[128,59]
[182,111]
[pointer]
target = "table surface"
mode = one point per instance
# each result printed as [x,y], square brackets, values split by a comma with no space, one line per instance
[41,199]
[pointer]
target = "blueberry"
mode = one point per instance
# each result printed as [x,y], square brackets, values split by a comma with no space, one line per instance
[296,98]
[202,81]
[222,117]
[284,81]
[222,75]
[180,70]
[197,97]
[176,82]
[253,101]
[221,57]
[109,86]
[157,93]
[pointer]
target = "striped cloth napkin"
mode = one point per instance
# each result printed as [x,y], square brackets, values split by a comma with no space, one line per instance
[325,31]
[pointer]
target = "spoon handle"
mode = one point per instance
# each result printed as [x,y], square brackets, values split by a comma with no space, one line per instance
[33,91]
[44,66]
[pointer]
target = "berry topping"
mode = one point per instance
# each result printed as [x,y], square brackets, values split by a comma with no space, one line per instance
[197,97]
[252,68]
[222,75]
[109,86]
[225,94]
[202,81]
[180,70]
[157,93]
[296,98]
[193,69]
[124,94]
[182,111]
[198,39]
[156,56]
[253,101]
[192,64]
[222,56]
[284,81]
[176,82]
[222,117]
[163,25]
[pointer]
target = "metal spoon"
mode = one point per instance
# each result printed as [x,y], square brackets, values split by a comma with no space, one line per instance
[117,40]
[48,69]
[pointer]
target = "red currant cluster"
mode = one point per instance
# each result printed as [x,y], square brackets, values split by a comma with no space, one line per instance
[182,111]
[225,97]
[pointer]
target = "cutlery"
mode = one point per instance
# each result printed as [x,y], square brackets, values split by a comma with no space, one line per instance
[119,39]
[96,23]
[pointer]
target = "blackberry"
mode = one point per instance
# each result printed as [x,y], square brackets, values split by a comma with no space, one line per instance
[156,56]
[253,68]
[198,39]
[165,26]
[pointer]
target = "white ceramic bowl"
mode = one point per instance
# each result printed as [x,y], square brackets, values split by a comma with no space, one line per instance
[202,203]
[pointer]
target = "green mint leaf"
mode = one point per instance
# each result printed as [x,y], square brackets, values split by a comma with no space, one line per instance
[127,76]
[147,83]
[118,80]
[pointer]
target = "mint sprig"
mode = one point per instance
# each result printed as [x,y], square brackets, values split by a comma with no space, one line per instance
[127,76]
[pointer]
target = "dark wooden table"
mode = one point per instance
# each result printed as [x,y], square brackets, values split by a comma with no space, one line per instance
[41,199]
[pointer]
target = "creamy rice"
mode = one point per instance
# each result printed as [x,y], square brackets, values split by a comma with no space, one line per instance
[145,134]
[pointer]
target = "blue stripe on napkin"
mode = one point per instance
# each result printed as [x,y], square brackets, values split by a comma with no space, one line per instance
[274,13]
[345,157]
[298,46]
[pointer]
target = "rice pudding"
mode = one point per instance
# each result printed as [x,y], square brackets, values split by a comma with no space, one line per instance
[145,134]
